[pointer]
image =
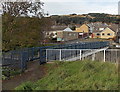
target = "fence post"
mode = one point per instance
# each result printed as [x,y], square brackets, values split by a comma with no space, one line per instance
[46,55]
[104,56]
[23,61]
[38,53]
[11,56]
[22,69]
[93,57]
[60,55]
[80,55]
[116,56]
[32,53]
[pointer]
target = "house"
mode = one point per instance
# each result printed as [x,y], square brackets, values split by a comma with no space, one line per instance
[96,26]
[103,30]
[83,31]
[53,33]
[118,34]
[67,29]
[106,33]
[66,35]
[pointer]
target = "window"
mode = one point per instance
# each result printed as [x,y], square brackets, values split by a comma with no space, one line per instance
[108,34]
[70,34]
[103,33]
[97,34]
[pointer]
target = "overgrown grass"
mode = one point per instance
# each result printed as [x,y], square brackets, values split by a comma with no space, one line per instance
[78,75]
[7,72]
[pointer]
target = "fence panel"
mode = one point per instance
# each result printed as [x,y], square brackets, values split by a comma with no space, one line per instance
[105,55]
[19,58]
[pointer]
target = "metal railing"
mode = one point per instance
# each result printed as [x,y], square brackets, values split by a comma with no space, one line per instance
[103,54]
[19,58]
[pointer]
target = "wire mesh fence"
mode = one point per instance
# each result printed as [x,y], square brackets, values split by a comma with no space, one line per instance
[19,58]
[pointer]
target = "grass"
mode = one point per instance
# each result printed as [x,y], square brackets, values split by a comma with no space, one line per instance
[78,75]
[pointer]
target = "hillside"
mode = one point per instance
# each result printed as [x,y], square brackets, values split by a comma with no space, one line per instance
[80,19]
[78,75]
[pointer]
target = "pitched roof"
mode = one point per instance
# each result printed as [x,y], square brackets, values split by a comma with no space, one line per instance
[114,27]
[55,28]
[98,27]
[67,29]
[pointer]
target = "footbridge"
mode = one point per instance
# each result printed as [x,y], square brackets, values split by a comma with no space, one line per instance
[67,52]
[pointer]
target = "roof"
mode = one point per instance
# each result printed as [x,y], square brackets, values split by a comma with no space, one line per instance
[68,29]
[55,28]
[114,27]
[98,27]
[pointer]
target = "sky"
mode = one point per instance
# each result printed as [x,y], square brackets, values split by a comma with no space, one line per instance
[65,7]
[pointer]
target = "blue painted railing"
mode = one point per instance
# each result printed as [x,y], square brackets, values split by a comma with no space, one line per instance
[19,58]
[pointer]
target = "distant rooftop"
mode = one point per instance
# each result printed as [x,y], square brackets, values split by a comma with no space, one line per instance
[67,29]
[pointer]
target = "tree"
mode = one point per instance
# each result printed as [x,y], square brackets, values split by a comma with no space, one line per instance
[30,8]
[18,31]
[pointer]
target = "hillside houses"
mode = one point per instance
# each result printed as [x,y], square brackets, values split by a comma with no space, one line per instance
[91,30]
[103,30]
[63,34]
[105,33]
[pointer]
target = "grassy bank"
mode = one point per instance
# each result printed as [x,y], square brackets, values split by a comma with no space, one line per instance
[78,75]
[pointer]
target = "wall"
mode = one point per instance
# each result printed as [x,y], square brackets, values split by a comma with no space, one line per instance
[59,35]
[83,29]
[70,36]
[106,32]
[66,36]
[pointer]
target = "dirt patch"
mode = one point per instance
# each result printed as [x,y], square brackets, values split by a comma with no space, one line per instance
[34,72]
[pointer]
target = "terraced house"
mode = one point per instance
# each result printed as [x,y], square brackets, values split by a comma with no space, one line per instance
[83,31]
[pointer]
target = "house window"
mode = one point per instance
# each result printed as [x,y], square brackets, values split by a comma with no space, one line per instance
[108,34]
[103,33]
[97,34]
[70,34]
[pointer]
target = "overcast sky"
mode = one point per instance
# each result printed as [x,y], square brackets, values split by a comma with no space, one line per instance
[64,7]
